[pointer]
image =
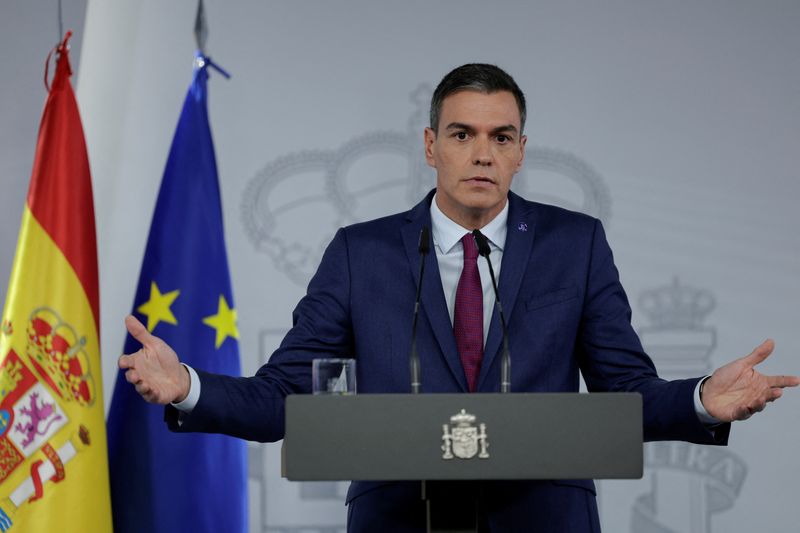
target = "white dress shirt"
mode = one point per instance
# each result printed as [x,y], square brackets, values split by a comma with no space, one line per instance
[450,256]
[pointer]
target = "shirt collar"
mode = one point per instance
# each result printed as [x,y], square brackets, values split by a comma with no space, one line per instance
[447,233]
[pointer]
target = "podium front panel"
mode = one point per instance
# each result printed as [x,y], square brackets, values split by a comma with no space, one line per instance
[463,436]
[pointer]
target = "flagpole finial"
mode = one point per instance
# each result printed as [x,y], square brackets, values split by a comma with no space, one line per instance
[201,28]
[201,36]
[60,49]
[63,46]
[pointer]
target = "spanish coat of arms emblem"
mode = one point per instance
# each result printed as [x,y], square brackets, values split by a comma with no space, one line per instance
[462,439]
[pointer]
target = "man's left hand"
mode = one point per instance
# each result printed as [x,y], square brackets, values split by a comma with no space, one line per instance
[737,390]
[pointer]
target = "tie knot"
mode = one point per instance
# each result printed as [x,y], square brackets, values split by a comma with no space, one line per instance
[470,247]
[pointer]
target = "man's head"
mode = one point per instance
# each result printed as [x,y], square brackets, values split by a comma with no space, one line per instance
[479,77]
[475,142]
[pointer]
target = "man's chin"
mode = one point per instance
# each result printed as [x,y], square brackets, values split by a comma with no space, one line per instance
[483,206]
[473,204]
[484,200]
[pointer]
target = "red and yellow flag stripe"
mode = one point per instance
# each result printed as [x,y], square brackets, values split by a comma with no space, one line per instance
[53,462]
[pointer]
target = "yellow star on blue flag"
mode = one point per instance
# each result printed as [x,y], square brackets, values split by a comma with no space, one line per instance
[224,322]
[157,308]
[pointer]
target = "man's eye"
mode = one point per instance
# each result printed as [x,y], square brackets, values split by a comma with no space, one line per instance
[461,136]
[503,139]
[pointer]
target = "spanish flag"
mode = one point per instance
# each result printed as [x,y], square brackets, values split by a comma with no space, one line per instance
[53,462]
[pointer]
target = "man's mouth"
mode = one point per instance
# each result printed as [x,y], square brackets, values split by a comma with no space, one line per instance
[480,180]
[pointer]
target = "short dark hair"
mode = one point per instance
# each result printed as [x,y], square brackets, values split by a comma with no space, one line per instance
[479,77]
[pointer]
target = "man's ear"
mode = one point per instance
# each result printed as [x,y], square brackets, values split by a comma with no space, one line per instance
[522,141]
[430,148]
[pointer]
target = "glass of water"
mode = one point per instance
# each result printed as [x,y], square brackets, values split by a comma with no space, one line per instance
[333,376]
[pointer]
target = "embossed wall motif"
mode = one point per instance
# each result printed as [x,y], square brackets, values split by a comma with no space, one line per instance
[689,483]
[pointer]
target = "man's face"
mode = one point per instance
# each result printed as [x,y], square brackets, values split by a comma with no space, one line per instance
[476,151]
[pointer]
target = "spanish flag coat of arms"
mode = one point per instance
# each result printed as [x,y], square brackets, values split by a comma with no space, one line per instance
[53,459]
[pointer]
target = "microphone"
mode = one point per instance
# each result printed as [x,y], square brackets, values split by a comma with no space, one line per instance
[505,362]
[424,247]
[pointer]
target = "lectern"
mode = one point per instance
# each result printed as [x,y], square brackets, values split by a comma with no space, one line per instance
[461,439]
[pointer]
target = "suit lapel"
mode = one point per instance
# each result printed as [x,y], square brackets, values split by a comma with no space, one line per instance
[433,305]
[519,243]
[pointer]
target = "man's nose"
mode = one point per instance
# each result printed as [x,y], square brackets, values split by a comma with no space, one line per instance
[482,152]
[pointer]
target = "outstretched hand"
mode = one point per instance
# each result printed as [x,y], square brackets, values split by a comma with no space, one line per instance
[737,390]
[154,370]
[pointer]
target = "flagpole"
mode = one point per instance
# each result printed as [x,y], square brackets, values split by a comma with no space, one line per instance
[201,28]
[60,23]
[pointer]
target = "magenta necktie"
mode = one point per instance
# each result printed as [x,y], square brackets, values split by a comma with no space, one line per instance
[468,315]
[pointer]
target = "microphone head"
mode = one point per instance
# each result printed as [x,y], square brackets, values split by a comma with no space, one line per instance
[424,240]
[482,242]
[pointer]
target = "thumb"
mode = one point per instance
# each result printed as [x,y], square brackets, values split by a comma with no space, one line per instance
[760,353]
[138,331]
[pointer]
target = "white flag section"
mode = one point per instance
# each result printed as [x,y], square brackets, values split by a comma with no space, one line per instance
[677,125]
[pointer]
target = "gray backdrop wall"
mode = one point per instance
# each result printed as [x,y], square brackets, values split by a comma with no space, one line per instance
[676,123]
[28,31]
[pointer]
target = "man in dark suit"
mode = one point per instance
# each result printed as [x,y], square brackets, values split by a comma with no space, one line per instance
[566,311]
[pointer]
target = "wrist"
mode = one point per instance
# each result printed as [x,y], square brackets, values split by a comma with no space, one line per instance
[702,388]
[185,385]
[700,408]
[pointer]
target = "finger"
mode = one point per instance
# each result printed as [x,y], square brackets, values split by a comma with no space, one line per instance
[757,407]
[126,361]
[132,376]
[153,398]
[138,331]
[783,381]
[741,413]
[760,353]
[143,389]
[774,394]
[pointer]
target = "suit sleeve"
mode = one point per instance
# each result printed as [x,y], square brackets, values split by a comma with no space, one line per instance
[252,408]
[611,357]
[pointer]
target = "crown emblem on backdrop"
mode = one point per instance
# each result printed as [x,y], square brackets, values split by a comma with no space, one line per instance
[676,339]
[676,306]
[376,173]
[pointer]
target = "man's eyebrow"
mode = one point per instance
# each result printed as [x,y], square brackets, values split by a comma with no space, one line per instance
[459,126]
[506,128]
[510,128]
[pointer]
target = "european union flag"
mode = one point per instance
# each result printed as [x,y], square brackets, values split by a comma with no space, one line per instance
[161,481]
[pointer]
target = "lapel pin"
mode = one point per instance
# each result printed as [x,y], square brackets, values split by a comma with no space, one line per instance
[522,227]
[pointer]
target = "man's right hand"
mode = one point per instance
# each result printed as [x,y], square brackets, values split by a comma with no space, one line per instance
[154,370]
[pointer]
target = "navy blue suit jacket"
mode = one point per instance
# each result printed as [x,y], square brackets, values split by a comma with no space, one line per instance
[566,311]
